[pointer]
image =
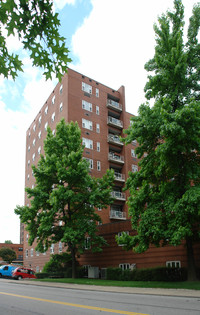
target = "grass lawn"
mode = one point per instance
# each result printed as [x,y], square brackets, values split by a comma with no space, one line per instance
[137,284]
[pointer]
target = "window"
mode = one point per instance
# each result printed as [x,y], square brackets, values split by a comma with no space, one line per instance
[87,243]
[90,163]
[26,253]
[29,134]
[133,154]
[173,264]
[60,247]
[33,142]
[40,119]
[87,124]
[97,92]
[98,146]
[39,134]
[52,249]
[27,237]
[88,143]
[37,269]
[61,89]
[29,148]
[134,142]
[87,106]
[53,100]
[31,252]
[34,127]
[134,168]
[37,253]
[45,127]
[97,128]
[61,107]
[86,88]
[97,110]
[28,162]
[33,157]
[39,150]
[53,132]
[124,266]
[28,176]
[98,165]
[53,117]
[46,110]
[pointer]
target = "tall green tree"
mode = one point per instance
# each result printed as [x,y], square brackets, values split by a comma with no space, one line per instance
[7,254]
[65,196]
[164,202]
[37,28]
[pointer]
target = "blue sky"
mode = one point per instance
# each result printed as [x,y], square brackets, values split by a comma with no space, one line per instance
[109,41]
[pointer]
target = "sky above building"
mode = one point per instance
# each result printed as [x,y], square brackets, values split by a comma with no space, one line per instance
[109,41]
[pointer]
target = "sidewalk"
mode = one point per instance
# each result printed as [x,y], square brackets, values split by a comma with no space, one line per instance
[130,290]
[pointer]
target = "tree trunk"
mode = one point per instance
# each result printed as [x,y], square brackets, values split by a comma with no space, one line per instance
[190,259]
[73,263]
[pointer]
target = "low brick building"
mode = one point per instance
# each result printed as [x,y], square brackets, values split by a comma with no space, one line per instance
[18,248]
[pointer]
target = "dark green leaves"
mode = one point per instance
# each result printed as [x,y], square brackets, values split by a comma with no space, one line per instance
[36,26]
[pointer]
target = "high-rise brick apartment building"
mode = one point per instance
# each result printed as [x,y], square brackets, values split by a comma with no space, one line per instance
[101,115]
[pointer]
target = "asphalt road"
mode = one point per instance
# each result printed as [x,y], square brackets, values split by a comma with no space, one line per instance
[29,298]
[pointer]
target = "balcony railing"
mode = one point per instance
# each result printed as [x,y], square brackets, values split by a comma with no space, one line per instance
[119,177]
[114,105]
[117,214]
[118,195]
[115,140]
[113,157]
[115,122]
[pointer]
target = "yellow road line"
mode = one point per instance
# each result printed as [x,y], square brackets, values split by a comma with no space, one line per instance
[75,305]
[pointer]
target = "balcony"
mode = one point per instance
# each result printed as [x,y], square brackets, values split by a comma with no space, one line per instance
[119,195]
[114,105]
[119,177]
[113,157]
[117,214]
[114,122]
[113,139]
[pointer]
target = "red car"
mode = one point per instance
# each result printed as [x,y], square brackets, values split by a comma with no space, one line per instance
[23,273]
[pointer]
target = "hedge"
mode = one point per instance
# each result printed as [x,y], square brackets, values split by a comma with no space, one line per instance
[149,274]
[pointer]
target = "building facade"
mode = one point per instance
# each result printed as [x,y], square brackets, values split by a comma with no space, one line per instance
[101,115]
[18,248]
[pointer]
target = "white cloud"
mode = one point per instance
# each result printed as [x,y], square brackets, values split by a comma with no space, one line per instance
[115,42]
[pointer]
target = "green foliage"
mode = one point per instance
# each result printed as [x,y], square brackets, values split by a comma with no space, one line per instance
[147,274]
[8,242]
[58,263]
[36,26]
[65,197]
[7,254]
[166,207]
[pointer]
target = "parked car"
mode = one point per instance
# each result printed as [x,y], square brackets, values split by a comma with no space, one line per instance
[23,273]
[6,271]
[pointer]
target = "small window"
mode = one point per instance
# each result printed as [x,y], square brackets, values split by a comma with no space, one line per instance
[29,134]
[53,117]
[33,142]
[53,100]
[40,120]
[60,247]
[26,253]
[134,168]
[98,146]
[87,106]
[33,157]
[86,88]
[29,148]
[88,143]
[37,253]
[97,110]
[39,150]
[173,264]
[97,92]
[37,269]
[90,163]
[28,176]
[87,243]
[133,154]
[46,125]
[124,266]
[52,249]
[61,89]
[61,107]
[46,110]
[98,165]
[34,127]
[87,124]
[39,134]
[31,252]
[28,162]
[97,128]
